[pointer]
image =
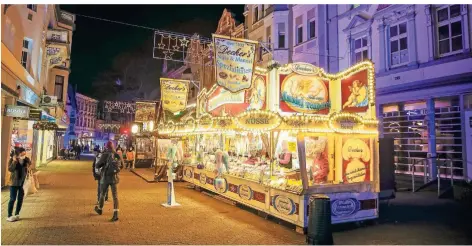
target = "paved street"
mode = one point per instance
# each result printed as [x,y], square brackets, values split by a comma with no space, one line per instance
[62,213]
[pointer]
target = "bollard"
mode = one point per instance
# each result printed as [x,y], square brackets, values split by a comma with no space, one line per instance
[319,222]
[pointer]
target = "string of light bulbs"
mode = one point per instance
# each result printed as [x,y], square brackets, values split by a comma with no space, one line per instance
[187,35]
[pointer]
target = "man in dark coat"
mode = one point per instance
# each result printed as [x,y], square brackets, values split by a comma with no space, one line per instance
[108,158]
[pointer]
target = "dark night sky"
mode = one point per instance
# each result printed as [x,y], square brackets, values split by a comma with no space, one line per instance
[96,43]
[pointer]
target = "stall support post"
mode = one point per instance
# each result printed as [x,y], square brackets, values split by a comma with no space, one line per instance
[170,189]
[319,222]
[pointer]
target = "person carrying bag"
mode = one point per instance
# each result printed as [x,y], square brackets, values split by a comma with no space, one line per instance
[110,163]
[18,166]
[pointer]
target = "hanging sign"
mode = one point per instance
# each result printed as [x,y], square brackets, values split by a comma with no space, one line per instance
[56,54]
[17,111]
[234,62]
[145,111]
[258,120]
[174,94]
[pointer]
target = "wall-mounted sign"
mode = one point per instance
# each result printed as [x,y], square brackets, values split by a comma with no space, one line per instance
[245,192]
[284,205]
[234,62]
[57,54]
[258,120]
[17,111]
[35,114]
[304,94]
[225,97]
[27,95]
[57,36]
[356,159]
[145,111]
[174,94]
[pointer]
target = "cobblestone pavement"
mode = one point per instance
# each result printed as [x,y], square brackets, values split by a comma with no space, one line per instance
[62,213]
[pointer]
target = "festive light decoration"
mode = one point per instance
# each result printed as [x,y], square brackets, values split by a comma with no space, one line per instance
[48,126]
[182,48]
[119,107]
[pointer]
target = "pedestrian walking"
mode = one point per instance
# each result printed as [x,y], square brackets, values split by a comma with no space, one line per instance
[130,158]
[119,151]
[110,163]
[97,175]
[78,150]
[18,167]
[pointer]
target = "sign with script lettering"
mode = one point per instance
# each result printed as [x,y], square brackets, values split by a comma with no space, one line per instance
[356,157]
[234,62]
[174,94]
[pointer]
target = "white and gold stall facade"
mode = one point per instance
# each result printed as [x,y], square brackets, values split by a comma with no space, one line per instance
[296,132]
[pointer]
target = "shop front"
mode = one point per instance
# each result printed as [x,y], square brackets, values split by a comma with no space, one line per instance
[434,124]
[294,133]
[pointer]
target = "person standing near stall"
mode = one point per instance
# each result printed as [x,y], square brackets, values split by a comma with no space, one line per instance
[18,167]
[130,158]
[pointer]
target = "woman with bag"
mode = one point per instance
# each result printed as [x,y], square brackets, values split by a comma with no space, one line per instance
[18,167]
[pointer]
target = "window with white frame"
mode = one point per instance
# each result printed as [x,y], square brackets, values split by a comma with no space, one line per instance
[449,22]
[26,52]
[398,44]
[299,34]
[312,29]
[361,52]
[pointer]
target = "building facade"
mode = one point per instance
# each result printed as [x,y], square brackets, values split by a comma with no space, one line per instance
[36,41]
[85,122]
[423,68]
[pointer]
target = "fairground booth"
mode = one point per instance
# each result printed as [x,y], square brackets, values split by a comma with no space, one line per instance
[295,132]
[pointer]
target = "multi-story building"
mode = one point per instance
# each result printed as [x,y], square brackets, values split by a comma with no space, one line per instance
[36,41]
[86,117]
[423,63]
[288,33]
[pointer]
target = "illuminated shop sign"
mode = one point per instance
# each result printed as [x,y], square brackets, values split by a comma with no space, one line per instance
[258,120]
[17,111]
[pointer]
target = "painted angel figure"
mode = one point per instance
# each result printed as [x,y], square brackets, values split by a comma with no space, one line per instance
[358,95]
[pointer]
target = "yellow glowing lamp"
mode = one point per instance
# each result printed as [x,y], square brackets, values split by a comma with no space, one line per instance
[134,129]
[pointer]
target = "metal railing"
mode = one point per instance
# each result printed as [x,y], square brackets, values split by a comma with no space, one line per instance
[427,177]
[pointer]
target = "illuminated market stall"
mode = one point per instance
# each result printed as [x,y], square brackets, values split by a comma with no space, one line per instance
[295,132]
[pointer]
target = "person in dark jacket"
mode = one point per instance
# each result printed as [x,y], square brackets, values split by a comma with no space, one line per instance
[78,151]
[18,167]
[97,174]
[107,179]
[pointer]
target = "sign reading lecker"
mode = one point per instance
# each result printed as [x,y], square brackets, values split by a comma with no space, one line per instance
[234,62]
[174,94]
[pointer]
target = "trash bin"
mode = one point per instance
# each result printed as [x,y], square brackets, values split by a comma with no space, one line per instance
[319,222]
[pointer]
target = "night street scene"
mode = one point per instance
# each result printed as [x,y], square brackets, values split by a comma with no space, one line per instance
[236,124]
